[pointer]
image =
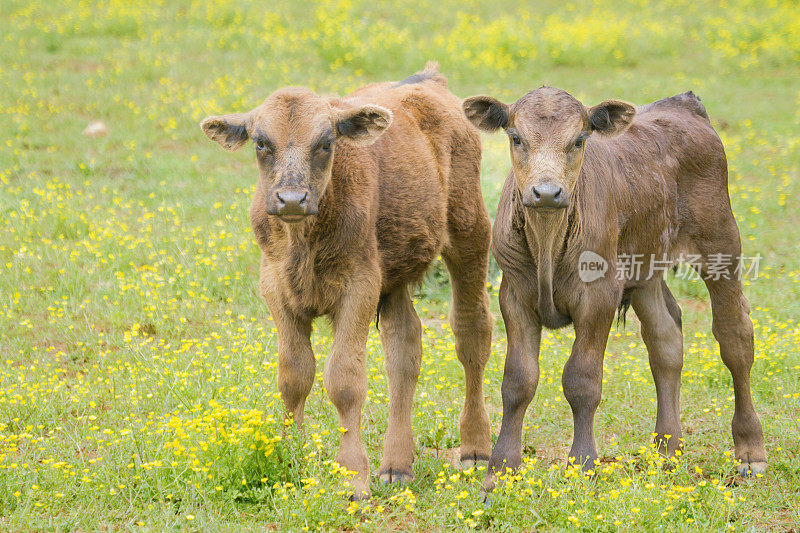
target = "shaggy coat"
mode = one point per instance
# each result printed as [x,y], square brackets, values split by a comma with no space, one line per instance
[357,196]
[634,189]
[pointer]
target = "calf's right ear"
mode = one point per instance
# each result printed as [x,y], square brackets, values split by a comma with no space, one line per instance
[230,131]
[486,113]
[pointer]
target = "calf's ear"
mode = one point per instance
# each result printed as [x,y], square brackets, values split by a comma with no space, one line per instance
[486,113]
[363,125]
[230,131]
[611,117]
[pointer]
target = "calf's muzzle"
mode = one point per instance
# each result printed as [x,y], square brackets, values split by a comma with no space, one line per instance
[546,195]
[291,205]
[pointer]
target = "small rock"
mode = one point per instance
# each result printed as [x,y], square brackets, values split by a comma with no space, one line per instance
[96,129]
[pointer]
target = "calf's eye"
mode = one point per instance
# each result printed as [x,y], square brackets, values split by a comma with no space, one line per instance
[326,146]
[515,139]
[261,145]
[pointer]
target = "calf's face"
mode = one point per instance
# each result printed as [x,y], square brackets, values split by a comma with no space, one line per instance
[295,133]
[547,130]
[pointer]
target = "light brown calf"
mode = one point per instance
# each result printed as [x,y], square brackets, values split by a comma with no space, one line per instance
[650,185]
[356,197]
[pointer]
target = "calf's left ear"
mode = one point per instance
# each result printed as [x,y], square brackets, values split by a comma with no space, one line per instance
[611,117]
[230,131]
[363,125]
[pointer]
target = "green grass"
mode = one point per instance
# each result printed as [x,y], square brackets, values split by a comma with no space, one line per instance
[137,360]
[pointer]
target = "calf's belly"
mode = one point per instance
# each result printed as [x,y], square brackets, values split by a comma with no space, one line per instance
[411,236]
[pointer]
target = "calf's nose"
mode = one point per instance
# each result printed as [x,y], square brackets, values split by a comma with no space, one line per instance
[549,195]
[292,201]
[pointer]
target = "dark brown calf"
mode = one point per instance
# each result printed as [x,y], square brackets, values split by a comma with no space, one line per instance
[356,197]
[652,183]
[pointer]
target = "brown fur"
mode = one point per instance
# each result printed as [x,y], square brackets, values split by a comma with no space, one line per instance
[648,183]
[381,203]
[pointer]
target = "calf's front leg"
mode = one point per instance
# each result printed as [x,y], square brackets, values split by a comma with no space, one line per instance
[582,379]
[296,365]
[520,378]
[345,376]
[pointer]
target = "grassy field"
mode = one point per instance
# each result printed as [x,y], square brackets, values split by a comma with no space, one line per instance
[137,360]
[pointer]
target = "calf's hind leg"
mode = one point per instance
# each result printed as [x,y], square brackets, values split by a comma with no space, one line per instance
[467,261]
[734,332]
[661,330]
[401,336]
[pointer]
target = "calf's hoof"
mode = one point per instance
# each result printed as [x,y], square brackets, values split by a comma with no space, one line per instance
[472,460]
[396,477]
[585,461]
[488,486]
[486,498]
[752,468]
[360,496]
[360,486]
[668,465]
[495,475]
